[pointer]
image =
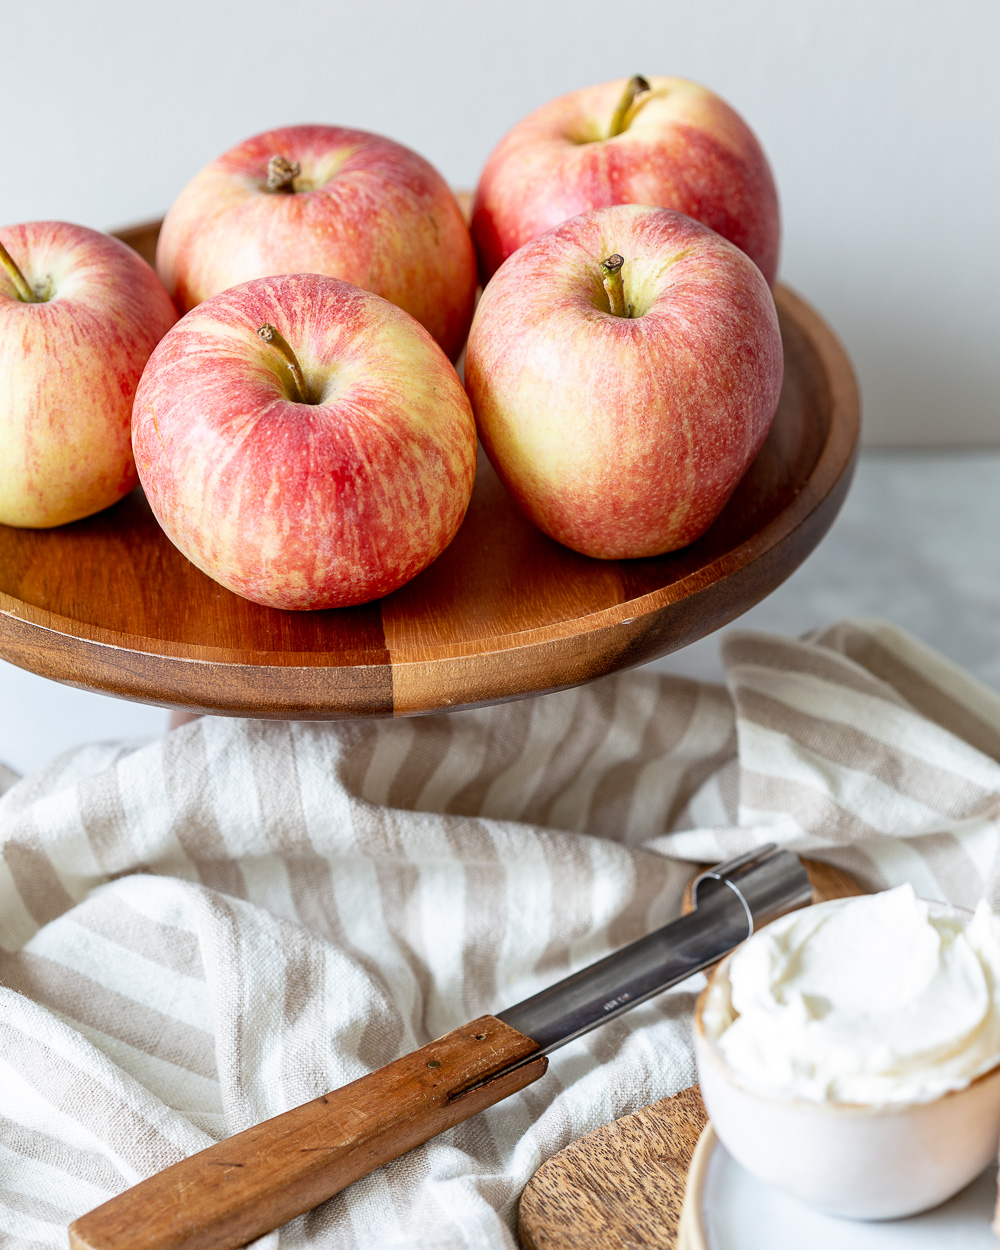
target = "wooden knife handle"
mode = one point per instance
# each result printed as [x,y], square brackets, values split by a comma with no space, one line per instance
[248,1184]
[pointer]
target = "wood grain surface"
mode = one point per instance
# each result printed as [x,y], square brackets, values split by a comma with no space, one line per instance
[244,1186]
[622,1186]
[109,604]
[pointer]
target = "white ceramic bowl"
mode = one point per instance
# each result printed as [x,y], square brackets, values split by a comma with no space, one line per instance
[867,1163]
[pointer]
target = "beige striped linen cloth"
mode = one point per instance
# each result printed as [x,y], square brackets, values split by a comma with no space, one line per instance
[202,931]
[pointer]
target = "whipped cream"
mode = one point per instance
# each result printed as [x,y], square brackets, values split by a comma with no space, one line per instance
[871,1000]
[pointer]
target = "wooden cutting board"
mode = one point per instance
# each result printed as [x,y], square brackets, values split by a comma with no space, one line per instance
[622,1186]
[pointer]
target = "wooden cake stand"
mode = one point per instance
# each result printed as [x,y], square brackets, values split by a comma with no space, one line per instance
[109,605]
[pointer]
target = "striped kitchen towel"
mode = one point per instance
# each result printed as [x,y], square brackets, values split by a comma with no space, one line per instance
[200,932]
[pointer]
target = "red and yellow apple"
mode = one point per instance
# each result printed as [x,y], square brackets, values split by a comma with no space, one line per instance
[676,145]
[620,408]
[305,443]
[323,199]
[79,315]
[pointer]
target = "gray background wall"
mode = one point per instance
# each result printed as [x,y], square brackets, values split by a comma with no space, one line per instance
[881,118]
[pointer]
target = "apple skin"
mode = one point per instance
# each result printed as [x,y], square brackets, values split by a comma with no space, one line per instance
[304,505]
[623,437]
[369,211]
[686,149]
[69,367]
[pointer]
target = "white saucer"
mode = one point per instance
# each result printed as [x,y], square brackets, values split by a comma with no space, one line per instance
[733,1211]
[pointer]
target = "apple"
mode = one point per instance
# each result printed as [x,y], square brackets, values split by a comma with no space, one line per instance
[624,369]
[322,199]
[79,315]
[305,443]
[663,141]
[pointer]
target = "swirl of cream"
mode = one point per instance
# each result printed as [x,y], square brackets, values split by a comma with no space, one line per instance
[872,1000]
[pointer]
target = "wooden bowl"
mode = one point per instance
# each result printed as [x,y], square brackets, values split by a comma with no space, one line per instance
[109,605]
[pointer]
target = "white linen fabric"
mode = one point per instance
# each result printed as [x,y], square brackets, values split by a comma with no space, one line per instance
[200,932]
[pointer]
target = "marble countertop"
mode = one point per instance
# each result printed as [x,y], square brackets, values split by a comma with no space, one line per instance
[917,542]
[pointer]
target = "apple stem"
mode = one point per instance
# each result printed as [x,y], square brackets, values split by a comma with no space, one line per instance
[269,334]
[24,292]
[611,275]
[281,173]
[636,86]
